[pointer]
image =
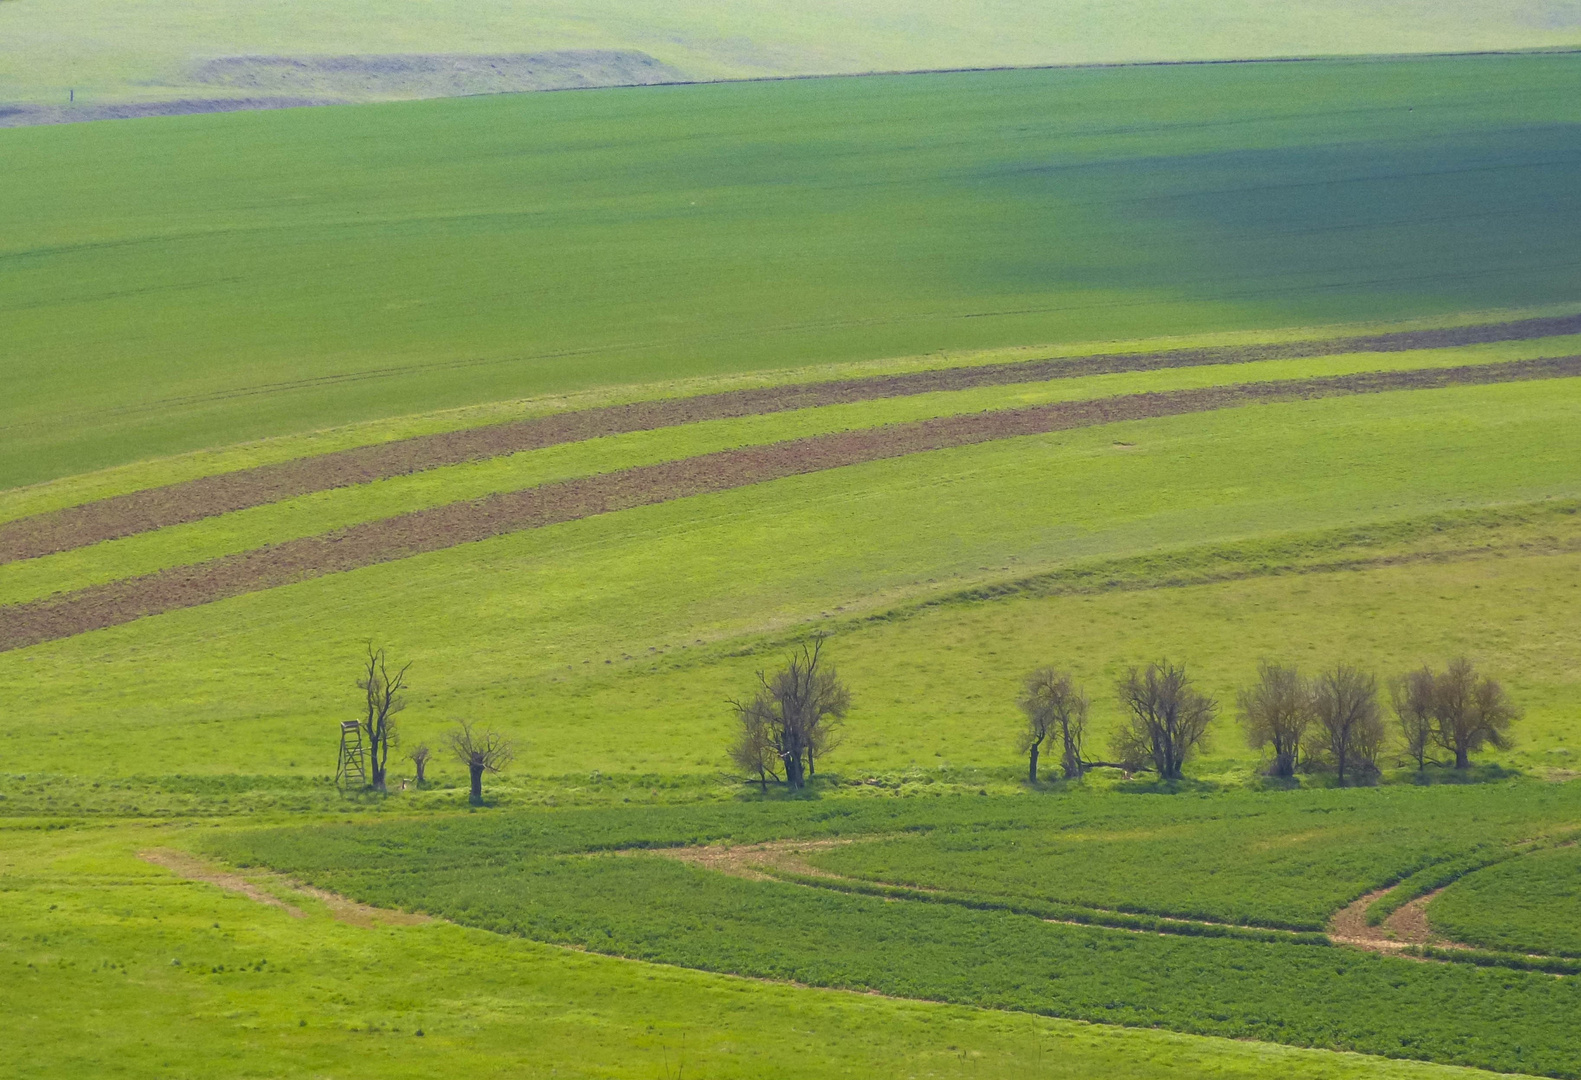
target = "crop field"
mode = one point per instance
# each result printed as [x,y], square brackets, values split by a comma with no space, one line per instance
[516,877]
[593,407]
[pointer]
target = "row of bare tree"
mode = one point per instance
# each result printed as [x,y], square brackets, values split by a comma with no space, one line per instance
[1335,718]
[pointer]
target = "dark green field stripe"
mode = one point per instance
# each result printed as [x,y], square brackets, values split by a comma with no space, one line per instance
[193,500]
[441,527]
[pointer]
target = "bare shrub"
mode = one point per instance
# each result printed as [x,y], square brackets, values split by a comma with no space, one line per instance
[1056,713]
[1414,698]
[480,753]
[1470,712]
[1167,719]
[419,759]
[1276,712]
[792,720]
[1349,720]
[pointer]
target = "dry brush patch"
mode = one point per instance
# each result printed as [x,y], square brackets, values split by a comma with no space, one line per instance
[406,535]
[193,500]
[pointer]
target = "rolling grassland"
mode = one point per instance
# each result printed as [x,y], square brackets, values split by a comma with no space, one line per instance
[592,406]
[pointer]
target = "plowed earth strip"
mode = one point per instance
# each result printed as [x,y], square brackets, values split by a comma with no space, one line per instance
[400,537]
[193,500]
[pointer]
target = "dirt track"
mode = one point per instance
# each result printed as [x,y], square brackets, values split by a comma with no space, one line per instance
[142,511]
[421,531]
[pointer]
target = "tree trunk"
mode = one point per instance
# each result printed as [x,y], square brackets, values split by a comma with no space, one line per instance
[1462,757]
[421,764]
[1032,768]
[476,798]
[377,761]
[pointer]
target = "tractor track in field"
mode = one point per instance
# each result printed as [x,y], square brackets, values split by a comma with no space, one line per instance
[388,539]
[176,504]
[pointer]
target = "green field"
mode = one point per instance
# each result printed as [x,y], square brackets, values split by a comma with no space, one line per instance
[348,277]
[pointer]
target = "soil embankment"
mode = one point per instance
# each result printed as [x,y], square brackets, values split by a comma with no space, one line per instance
[193,500]
[421,531]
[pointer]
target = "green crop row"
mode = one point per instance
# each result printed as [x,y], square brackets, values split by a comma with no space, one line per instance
[1054,912]
[1530,904]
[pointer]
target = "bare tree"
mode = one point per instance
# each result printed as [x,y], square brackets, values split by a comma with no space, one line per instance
[488,752]
[1414,699]
[1276,712]
[793,719]
[1056,713]
[383,699]
[419,758]
[1167,719]
[1470,712]
[1350,723]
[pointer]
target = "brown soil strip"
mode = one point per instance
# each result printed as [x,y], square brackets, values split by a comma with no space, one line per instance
[154,508]
[421,531]
[347,911]
[1406,926]
[749,860]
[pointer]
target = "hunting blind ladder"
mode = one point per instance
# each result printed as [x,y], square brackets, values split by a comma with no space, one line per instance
[352,766]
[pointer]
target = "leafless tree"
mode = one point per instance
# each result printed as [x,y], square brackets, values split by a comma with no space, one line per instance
[1056,713]
[1350,723]
[1470,712]
[488,752]
[1166,719]
[753,751]
[1276,712]
[419,758]
[1414,698]
[382,700]
[793,719]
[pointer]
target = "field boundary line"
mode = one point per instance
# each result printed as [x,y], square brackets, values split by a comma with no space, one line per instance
[144,510]
[423,531]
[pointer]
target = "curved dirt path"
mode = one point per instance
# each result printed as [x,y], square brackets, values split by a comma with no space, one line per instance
[186,865]
[1407,925]
[405,535]
[154,508]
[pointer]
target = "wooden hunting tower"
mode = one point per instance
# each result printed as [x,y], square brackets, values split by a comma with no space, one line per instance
[352,767]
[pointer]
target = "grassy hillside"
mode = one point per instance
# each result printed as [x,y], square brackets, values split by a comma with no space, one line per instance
[349,264]
[138,50]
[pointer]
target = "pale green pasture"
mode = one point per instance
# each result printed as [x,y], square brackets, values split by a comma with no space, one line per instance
[322,511]
[508,631]
[111,969]
[115,50]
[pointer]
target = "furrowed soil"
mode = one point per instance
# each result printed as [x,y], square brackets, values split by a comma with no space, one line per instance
[193,500]
[446,526]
